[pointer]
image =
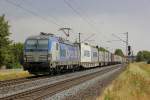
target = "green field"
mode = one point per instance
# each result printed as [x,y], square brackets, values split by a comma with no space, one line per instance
[132,84]
[13,74]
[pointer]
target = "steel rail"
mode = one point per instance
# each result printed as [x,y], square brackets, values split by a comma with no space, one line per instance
[8,83]
[52,89]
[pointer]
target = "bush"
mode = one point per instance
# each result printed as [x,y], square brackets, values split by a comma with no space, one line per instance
[143,56]
[148,62]
[13,65]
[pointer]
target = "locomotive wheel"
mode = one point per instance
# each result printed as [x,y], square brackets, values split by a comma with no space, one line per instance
[57,70]
[52,71]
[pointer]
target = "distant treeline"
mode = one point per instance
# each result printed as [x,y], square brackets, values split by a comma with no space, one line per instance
[10,53]
[143,56]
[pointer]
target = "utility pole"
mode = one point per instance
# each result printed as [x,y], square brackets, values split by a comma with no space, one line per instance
[127,43]
[80,45]
[79,37]
[132,57]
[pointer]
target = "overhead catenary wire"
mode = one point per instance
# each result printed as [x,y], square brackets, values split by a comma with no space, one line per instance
[76,12]
[88,37]
[83,12]
[119,38]
[42,17]
[86,19]
[18,5]
[33,13]
[62,23]
[90,20]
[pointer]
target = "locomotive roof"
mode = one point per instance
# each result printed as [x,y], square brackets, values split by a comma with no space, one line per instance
[41,36]
[48,35]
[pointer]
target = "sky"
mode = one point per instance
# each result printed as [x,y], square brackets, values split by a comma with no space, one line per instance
[97,20]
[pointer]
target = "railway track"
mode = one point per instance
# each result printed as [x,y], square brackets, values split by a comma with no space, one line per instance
[12,82]
[21,80]
[49,90]
[7,83]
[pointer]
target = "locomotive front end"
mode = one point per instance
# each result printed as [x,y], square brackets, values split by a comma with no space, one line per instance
[37,55]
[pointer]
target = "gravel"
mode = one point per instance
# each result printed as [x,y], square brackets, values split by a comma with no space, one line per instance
[88,89]
[11,90]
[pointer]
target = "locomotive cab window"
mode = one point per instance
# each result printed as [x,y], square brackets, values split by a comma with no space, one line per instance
[43,44]
[37,44]
[31,44]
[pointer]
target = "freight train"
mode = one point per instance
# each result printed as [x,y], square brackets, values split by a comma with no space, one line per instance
[47,53]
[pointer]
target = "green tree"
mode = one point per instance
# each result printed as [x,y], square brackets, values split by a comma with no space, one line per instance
[17,50]
[4,41]
[119,52]
[102,49]
[146,55]
[140,56]
[143,56]
[14,55]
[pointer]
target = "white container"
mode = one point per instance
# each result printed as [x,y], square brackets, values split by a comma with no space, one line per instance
[106,57]
[101,56]
[85,53]
[115,58]
[94,54]
[109,57]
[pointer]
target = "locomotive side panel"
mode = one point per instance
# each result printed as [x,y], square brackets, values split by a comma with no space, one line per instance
[69,54]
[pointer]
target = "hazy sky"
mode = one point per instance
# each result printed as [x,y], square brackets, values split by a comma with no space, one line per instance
[96,19]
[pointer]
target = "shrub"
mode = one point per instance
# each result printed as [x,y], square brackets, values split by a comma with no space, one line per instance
[148,62]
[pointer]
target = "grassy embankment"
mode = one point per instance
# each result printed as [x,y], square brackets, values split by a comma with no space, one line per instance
[132,84]
[13,74]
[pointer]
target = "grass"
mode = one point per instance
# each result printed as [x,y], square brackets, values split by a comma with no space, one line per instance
[132,84]
[13,74]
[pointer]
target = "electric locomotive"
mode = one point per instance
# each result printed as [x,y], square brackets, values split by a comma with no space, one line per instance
[47,53]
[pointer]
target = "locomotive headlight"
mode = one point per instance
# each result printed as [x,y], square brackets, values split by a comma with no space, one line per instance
[24,58]
[49,56]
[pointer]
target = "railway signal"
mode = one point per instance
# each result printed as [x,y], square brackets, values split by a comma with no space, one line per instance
[129,50]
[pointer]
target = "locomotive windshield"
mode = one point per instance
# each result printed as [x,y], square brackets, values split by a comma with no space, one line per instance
[42,44]
[31,44]
[37,44]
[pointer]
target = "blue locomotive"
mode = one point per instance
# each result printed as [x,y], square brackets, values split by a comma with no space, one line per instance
[47,53]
